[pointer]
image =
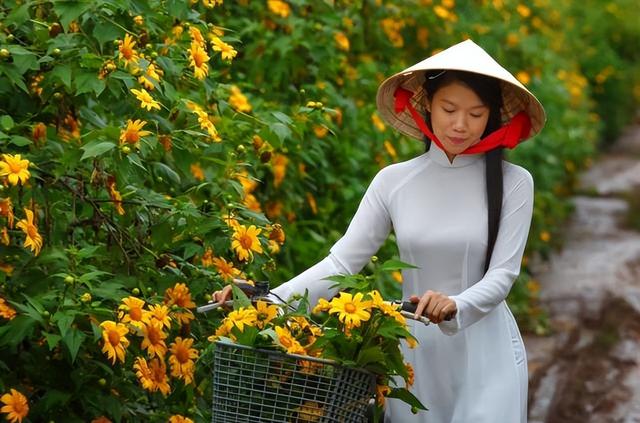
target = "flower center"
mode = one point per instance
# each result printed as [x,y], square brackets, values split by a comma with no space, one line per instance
[246,241]
[114,337]
[154,336]
[136,314]
[32,231]
[15,166]
[350,308]
[198,58]
[182,354]
[132,136]
[127,52]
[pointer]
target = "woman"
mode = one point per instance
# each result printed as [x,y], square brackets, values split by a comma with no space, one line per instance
[462,216]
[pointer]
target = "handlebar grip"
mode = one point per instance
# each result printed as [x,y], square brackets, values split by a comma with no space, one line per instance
[411,308]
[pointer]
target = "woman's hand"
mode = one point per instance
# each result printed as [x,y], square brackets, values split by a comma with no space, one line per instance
[435,305]
[222,295]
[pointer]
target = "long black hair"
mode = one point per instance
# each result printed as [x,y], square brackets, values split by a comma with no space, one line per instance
[489,92]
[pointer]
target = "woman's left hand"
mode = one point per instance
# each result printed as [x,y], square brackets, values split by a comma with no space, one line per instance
[435,305]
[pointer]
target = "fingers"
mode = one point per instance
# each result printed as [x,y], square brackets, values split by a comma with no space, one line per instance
[223,295]
[435,305]
[423,303]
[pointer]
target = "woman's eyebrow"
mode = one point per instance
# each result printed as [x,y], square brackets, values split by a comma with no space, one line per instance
[455,104]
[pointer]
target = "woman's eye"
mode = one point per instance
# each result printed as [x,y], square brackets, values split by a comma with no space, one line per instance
[475,116]
[448,111]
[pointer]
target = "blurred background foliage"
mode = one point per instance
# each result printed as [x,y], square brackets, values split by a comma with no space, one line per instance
[256,113]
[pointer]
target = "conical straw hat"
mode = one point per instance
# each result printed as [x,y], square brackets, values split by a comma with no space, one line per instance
[464,56]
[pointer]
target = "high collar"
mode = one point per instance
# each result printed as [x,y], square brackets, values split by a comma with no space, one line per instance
[461,160]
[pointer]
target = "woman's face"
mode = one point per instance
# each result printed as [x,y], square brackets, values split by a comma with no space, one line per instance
[458,117]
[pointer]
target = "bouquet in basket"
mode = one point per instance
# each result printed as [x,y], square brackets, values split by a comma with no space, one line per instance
[291,362]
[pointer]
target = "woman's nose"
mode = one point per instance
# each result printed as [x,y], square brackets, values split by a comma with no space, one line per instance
[459,122]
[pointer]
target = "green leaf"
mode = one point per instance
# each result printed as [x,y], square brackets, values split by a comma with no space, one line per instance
[52,339]
[16,77]
[64,321]
[73,339]
[70,10]
[406,396]
[135,159]
[20,141]
[89,82]
[6,122]
[240,299]
[63,73]
[392,264]
[191,249]
[16,330]
[23,59]
[96,148]
[370,355]
[18,15]
[282,118]
[106,32]
[281,130]
[166,172]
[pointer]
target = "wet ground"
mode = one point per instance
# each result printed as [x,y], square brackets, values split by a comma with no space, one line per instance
[588,369]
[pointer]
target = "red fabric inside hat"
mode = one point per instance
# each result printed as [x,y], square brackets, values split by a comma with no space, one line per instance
[509,135]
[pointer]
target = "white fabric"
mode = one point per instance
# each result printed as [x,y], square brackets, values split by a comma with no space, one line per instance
[473,368]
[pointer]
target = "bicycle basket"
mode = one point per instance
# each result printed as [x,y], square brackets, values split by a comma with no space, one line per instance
[251,385]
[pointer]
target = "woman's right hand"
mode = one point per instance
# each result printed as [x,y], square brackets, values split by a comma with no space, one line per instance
[222,295]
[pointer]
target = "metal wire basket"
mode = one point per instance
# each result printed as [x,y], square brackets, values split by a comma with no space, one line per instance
[251,385]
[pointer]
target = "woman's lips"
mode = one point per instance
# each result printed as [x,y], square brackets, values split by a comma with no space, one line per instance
[457,141]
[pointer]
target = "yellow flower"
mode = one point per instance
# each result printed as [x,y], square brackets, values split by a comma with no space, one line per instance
[138,20]
[449,4]
[245,242]
[131,311]
[248,184]
[127,51]
[146,100]
[196,36]
[397,276]
[244,316]
[390,149]
[377,122]
[15,168]
[115,194]
[545,236]
[115,342]
[197,171]
[323,305]
[181,359]
[239,101]
[381,392]
[39,132]
[351,309]
[279,7]
[321,131]
[133,132]
[533,286]
[341,41]
[279,165]
[4,236]
[225,269]
[33,239]
[152,376]
[158,312]
[177,418]
[288,341]
[226,50]
[523,77]
[151,77]
[6,310]
[251,202]
[523,10]
[277,233]
[265,313]
[411,375]
[207,258]
[15,406]
[154,338]
[179,295]
[309,411]
[198,59]
[312,203]
[6,210]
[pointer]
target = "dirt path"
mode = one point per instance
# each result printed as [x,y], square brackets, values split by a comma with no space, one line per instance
[588,370]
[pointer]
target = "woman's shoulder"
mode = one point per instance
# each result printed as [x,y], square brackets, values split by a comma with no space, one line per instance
[516,176]
[392,176]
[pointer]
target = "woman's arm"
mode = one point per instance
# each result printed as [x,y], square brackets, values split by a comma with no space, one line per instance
[479,299]
[368,229]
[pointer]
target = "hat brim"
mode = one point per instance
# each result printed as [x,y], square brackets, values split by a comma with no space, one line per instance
[466,56]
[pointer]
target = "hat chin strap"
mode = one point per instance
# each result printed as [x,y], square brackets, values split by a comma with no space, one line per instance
[509,135]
